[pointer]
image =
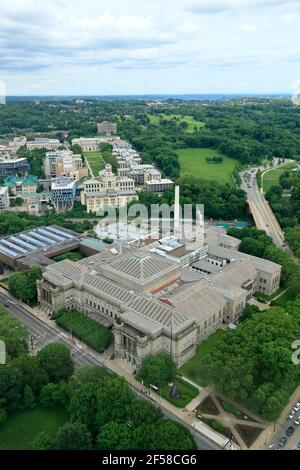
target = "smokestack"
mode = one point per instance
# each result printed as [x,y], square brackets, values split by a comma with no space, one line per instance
[177,231]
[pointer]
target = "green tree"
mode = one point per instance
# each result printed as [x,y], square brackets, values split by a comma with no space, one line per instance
[144,412]
[83,405]
[3,412]
[43,442]
[88,374]
[56,361]
[13,333]
[164,435]
[114,400]
[23,284]
[28,400]
[10,386]
[115,436]
[32,372]
[54,394]
[73,436]
[252,247]
[157,370]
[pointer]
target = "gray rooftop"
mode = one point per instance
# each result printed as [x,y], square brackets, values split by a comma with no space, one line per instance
[152,316]
[140,266]
[260,264]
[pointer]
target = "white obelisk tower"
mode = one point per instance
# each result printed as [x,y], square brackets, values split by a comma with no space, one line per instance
[177,221]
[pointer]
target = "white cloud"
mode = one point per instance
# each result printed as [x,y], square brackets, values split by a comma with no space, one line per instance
[288,18]
[217,6]
[248,28]
[144,43]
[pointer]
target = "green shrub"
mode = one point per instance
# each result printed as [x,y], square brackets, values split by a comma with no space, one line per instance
[217,426]
[84,328]
[231,409]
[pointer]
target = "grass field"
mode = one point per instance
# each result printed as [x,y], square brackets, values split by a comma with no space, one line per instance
[95,160]
[22,427]
[271,178]
[193,163]
[155,118]
[193,369]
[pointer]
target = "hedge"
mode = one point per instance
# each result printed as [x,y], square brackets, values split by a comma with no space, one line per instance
[84,328]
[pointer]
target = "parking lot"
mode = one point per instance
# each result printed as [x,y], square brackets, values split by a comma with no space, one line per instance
[287,435]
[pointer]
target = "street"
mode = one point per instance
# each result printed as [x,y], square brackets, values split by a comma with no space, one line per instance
[262,213]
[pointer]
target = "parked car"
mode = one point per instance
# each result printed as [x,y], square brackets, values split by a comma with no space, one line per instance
[297,407]
[292,414]
[282,442]
[298,445]
[290,431]
[297,421]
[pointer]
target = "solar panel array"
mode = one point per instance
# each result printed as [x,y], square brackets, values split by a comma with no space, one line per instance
[28,242]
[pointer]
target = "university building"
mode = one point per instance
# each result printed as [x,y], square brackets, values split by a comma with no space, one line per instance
[107,190]
[155,303]
[64,163]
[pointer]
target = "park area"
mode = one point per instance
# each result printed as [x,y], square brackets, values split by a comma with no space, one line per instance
[271,177]
[22,427]
[192,123]
[193,163]
[95,161]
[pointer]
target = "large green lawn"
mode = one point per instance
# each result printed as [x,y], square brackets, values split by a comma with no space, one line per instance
[193,369]
[193,163]
[271,178]
[22,427]
[192,123]
[95,160]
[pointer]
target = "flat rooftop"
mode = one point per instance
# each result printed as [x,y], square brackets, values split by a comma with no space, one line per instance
[40,239]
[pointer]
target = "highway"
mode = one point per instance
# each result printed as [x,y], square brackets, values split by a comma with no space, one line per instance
[42,334]
[262,213]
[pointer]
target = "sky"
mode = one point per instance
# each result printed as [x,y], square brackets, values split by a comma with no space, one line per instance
[113,47]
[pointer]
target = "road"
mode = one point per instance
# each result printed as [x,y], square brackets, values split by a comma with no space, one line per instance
[262,213]
[280,430]
[43,334]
